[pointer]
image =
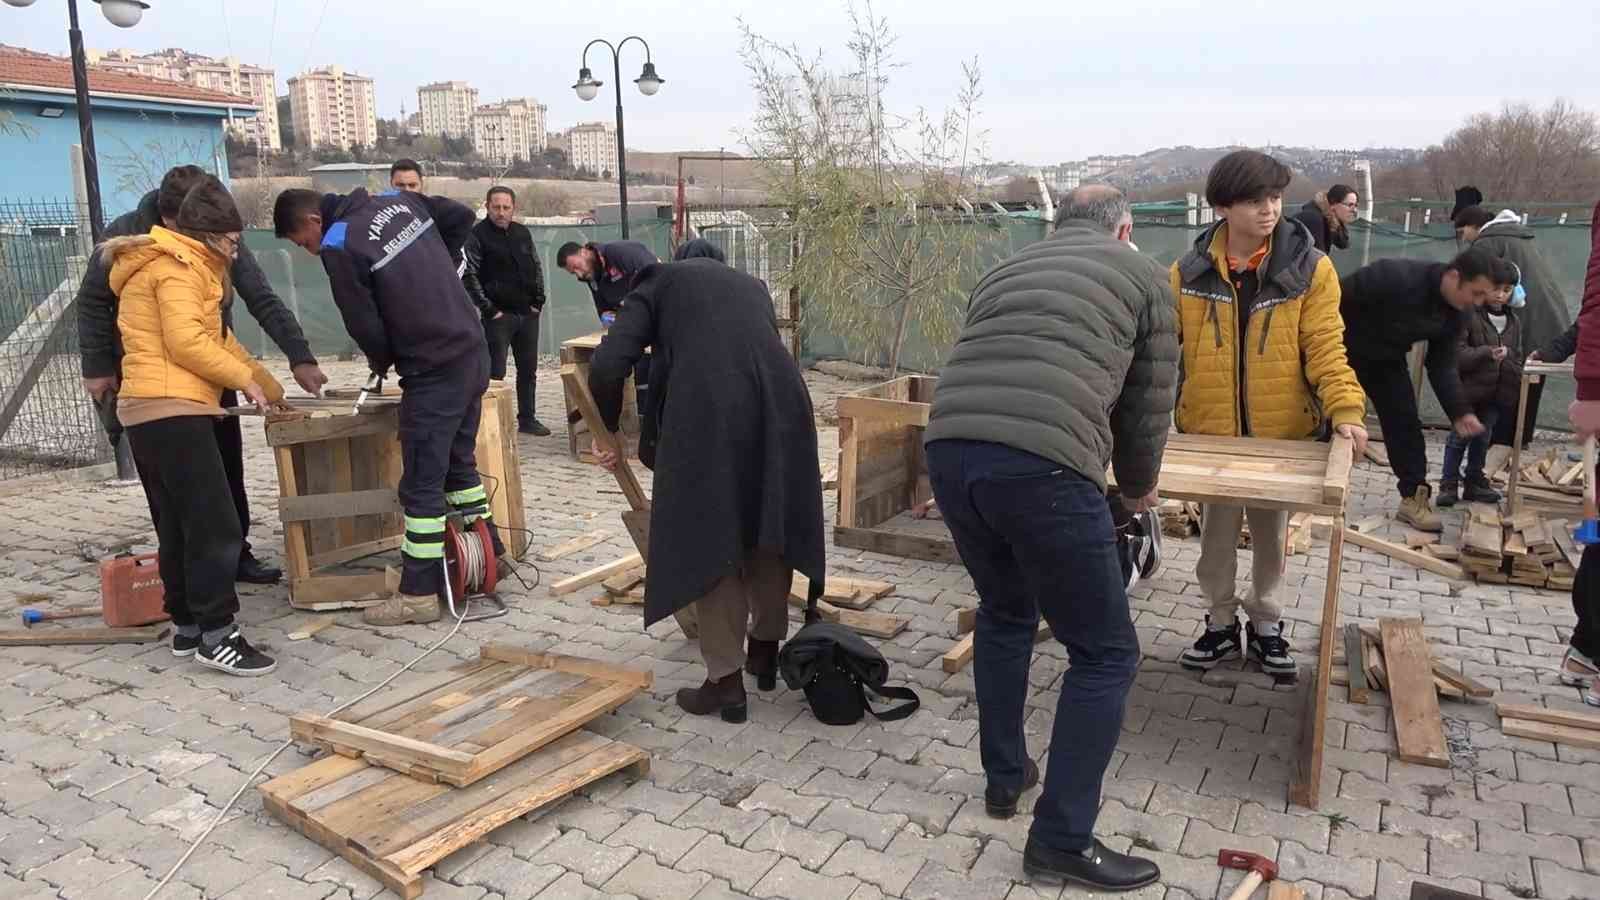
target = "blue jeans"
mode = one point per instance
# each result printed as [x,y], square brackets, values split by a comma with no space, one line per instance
[1475,449]
[1037,538]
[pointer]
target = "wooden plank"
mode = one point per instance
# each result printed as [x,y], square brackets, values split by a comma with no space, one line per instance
[894,543]
[41,637]
[1355,661]
[626,479]
[1460,680]
[1369,524]
[849,460]
[323,731]
[1562,535]
[879,625]
[567,548]
[1419,732]
[595,575]
[1569,718]
[1570,475]
[505,504]
[1445,552]
[295,550]
[366,456]
[378,420]
[1546,731]
[316,507]
[1341,457]
[896,413]
[1406,555]
[637,524]
[623,582]
[321,592]
[355,551]
[309,626]
[341,482]
[1305,787]
[576,665]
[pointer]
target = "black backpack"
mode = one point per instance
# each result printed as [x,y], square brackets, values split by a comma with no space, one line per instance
[837,669]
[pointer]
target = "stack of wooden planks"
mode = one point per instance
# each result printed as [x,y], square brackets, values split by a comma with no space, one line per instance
[419,772]
[1179,519]
[1571,727]
[1482,544]
[1525,549]
[1365,670]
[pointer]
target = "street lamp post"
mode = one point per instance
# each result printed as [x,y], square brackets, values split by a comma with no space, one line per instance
[587,88]
[123,14]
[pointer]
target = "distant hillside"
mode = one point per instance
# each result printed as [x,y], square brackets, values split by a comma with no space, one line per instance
[1180,164]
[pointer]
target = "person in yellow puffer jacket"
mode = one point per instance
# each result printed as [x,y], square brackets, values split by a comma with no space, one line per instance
[1263,356]
[178,358]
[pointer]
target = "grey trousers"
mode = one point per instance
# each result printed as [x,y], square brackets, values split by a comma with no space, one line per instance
[754,600]
[1218,569]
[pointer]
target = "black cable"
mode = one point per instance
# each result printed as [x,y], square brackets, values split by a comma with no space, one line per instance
[516,567]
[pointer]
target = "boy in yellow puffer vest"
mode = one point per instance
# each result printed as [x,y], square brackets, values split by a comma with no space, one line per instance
[178,357]
[1263,356]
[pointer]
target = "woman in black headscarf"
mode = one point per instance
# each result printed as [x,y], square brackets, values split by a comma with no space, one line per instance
[700,247]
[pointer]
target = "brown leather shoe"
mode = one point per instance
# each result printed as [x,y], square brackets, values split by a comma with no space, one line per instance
[761,660]
[724,696]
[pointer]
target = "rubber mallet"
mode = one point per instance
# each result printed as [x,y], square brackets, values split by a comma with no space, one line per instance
[30,615]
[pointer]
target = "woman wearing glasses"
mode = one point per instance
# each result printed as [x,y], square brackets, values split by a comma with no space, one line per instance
[1329,215]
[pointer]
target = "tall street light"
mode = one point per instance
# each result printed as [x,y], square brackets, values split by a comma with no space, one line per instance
[123,14]
[588,88]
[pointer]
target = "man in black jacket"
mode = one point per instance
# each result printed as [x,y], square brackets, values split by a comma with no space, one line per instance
[608,269]
[100,345]
[1387,307]
[389,261]
[505,282]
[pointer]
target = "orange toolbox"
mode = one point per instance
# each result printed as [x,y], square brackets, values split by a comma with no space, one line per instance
[131,591]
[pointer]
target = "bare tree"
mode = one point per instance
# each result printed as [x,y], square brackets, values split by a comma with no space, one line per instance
[879,200]
[1519,154]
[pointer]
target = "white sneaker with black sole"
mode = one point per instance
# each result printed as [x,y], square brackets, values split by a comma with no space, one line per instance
[1268,648]
[1219,644]
[234,655]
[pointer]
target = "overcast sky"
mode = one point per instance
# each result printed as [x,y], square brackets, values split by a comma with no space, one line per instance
[1062,80]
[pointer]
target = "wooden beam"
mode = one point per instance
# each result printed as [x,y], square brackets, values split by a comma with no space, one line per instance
[1341,457]
[596,574]
[1356,664]
[325,592]
[1406,555]
[567,548]
[355,551]
[1545,731]
[893,543]
[1305,787]
[300,431]
[956,658]
[604,437]
[41,637]
[1419,731]
[1460,680]
[884,412]
[1569,718]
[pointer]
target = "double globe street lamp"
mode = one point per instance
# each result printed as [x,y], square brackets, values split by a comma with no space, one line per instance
[588,88]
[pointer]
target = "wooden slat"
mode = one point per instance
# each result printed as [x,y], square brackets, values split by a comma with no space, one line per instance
[329,591]
[879,625]
[569,547]
[356,551]
[637,523]
[295,550]
[340,481]
[1419,732]
[1355,663]
[366,455]
[42,636]
[577,665]
[1460,680]
[453,692]
[300,431]
[438,727]
[956,658]
[419,685]
[1569,718]
[1406,555]
[1306,786]
[595,575]
[849,460]
[578,389]
[898,544]
[1546,731]
[498,446]
[331,506]
[320,774]
[897,413]
[1341,457]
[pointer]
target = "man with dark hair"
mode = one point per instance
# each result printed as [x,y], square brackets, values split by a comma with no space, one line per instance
[1328,215]
[406,175]
[1387,307]
[608,269]
[505,282]
[388,259]
[100,344]
[1066,362]
[1263,357]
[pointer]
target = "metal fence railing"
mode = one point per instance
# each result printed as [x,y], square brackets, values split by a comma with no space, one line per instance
[47,422]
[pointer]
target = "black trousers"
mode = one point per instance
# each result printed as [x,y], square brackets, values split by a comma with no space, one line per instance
[1508,418]
[230,442]
[181,466]
[1388,385]
[439,414]
[1586,603]
[518,334]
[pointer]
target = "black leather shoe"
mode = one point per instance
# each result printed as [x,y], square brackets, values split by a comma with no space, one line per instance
[1001,803]
[761,660]
[535,428]
[254,571]
[1099,867]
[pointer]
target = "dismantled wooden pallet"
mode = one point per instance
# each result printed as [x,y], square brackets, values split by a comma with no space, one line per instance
[1573,728]
[1448,680]
[476,718]
[393,827]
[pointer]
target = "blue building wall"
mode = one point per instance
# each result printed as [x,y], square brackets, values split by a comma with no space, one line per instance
[136,141]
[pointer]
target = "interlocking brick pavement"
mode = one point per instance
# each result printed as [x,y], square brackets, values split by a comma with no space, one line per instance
[111,758]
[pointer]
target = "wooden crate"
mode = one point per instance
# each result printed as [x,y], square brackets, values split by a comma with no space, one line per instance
[883,473]
[393,827]
[577,352]
[337,473]
[478,718]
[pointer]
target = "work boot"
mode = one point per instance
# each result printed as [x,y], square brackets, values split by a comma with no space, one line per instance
[761,660]
[1449,494]
[1219,644]
[1479,490]
[1000,803]
[254,571]
[724,696]
[1268,648]
[535,428]
[402,609]
[1417,512]
[1099,867]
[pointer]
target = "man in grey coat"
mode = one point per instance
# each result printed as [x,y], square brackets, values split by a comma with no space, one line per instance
[1068,360]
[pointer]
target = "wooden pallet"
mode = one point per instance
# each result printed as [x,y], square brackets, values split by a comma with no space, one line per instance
[393,827]
[478,717]
[337,474]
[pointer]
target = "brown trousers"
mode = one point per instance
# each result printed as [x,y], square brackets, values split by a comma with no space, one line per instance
[756,598]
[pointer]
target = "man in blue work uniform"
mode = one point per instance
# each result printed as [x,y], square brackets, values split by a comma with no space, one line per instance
[389,259]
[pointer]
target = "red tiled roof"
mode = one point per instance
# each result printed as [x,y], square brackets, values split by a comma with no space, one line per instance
[27,68]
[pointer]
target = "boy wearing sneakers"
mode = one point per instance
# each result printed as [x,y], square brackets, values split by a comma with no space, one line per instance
[1263,356]
[1490,361]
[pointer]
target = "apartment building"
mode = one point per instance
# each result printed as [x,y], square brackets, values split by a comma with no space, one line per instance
[227,75]
[333,107]
[446,108]
[593,147]
[514,129]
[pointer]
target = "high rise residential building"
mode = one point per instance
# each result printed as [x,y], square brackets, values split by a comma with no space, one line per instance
[508,131]
[447,107]
[333,107]
[227,75]
[593,147]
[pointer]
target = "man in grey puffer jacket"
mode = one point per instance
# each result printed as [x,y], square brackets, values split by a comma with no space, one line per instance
[1068,360]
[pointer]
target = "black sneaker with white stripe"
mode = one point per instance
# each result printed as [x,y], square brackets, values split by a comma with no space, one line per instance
[234,655]
[184,647]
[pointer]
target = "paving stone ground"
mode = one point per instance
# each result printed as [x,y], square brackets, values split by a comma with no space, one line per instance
[112,758]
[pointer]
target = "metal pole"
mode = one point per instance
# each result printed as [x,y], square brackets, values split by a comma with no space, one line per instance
[622,147]
[80,85]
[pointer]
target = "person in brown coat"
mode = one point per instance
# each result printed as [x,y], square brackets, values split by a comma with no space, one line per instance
[1489,358]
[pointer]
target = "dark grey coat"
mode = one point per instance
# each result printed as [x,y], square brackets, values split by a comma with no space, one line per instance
[1546,316]
[1069,352]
